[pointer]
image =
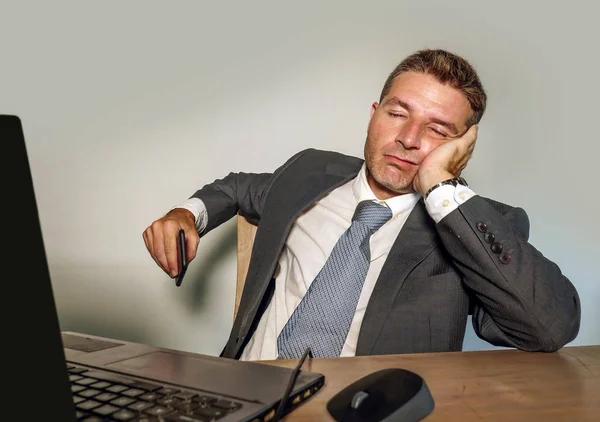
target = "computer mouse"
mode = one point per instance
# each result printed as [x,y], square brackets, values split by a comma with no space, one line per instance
[388,395]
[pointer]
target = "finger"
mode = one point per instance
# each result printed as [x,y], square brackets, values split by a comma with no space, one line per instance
[170,238]
[471,146]
[192,241]
[465,161]
[159,246]
[468,142]
[466,156]
[461,163]
[470,136]
[148,239]
[473,132]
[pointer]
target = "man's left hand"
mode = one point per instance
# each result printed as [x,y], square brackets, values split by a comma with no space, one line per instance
[446,161]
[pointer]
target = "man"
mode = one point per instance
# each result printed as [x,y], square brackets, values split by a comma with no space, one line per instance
[386,255]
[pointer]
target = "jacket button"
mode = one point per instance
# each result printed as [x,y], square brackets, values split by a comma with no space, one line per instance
[505,258]
[489,237]
[496,247]
[482,227]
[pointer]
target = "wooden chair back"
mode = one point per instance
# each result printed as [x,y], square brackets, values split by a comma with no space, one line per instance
[245,240]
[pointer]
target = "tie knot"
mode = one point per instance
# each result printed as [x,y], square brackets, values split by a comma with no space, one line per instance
[372,214]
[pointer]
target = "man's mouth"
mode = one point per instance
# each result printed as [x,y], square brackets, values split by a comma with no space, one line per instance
[400,160]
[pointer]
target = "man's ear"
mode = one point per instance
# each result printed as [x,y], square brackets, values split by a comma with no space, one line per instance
[373,108]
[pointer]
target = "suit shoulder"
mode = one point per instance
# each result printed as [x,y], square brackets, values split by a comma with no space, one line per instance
[320,157]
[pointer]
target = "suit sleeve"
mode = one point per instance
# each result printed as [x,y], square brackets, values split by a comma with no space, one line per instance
[238,193]
[521,298]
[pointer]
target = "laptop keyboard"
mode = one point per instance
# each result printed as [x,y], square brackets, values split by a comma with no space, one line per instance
[105,396]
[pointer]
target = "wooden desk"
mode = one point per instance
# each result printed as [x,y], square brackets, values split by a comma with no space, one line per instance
[499,385]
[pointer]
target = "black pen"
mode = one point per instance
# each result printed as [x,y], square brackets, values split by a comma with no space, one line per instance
[182,258]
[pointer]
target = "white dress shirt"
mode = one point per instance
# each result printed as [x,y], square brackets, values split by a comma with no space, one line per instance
[312,238]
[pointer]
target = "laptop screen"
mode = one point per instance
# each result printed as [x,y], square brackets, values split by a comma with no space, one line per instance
[38,381]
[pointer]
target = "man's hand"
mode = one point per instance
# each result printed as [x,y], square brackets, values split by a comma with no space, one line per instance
[446,161]
[161,239]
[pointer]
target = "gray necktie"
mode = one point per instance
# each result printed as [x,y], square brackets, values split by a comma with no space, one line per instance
[322,319]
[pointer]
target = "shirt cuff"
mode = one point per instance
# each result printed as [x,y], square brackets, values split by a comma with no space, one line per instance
[445,199]
[196,207]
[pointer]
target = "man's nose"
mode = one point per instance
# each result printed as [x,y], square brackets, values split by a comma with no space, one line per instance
[410,135]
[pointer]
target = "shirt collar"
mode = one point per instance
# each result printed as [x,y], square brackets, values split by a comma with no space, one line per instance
[398,204]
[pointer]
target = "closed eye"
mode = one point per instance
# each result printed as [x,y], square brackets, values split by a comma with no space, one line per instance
[394,114]
[437,132]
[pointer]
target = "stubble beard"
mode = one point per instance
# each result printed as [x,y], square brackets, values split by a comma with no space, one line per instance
[376,168]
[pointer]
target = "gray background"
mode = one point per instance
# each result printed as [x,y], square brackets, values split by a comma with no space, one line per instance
[129,107]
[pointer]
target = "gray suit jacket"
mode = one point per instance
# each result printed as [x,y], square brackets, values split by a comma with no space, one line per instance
[434,276]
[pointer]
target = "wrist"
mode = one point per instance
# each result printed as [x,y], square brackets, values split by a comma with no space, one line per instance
[430,179]
[453,181]
[182,214]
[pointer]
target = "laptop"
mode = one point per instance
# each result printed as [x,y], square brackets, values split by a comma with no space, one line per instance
[67,376]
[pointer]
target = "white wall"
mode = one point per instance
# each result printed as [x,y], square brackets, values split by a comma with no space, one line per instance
[129,107]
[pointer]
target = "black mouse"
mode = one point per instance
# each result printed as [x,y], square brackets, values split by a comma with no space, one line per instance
[387,395]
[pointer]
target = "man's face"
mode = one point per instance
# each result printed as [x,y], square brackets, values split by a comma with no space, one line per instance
[415,117]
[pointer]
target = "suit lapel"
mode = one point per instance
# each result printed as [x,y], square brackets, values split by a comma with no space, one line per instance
[285,204]
[416,241]
[282,208]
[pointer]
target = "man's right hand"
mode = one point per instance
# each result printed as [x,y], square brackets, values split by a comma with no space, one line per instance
[161,239]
